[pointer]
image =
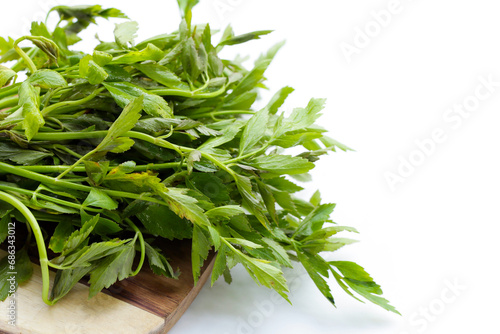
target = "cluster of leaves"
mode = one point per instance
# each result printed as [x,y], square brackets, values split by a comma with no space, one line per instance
[116,151]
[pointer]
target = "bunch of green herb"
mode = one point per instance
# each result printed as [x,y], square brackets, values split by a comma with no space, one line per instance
[104,154]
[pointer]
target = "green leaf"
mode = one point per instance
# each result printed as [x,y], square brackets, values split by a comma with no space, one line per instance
[301,118]
[254,131]
[159,263]
[150,52]
[245,37]
[21,265]
[124,93]
[124,123]
[89,70]
[47,46]
[65,280]
[226,211]
[78,237]
[220,264]
[282,164]
[361,282]
[228,135]
[62,232]
[162,75]
[87,255]
[200,249]
[319,281]
[161,221]
[244,243]
[98,198]
[186,6]
[125,33]
[278,99]
[315,220]
[12,152]
[47,79]
[115,267]
[6,74]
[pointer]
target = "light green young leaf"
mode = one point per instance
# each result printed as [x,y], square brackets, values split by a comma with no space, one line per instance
[254,131]
[244,38]
[282,164]
[6,74]
[89,70]
[315,220]
[98,198]
[124,123]
[225,211]
[47,79]
[125,33]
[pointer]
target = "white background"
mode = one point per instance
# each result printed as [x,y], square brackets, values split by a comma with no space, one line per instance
[439,226]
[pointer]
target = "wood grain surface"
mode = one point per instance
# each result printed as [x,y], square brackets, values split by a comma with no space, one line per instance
[144,304]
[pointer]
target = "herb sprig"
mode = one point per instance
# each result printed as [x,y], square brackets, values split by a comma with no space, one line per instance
[105,155]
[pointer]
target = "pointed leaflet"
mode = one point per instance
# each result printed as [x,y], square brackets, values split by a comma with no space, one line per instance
[124,123]
[124,93]
[115,267]
[278,99]
[245,37]
[282,164]
[78,237]
[159,263]
[96,251]
[315,220]
[199,253]
[254,131]
[312,270]
[301,118]
[360,281]
[62,232]
[98,198]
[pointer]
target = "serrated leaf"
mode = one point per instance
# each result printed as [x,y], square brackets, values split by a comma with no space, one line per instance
[78,237]
[115,267]
[125,33]
[62,232]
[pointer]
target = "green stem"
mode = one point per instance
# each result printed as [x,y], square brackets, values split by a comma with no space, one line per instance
[143,246]
[6,168]
[31,53]
[46,197]
[55,106]
[55,136]
[248,155]
[9,90]
[26,58]
[184,93]
[222,112]
[37,232]
[9,102]
[81,169]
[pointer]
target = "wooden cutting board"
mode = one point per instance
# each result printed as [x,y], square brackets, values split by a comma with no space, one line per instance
[144,304]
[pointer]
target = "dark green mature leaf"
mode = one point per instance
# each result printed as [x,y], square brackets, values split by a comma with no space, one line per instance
[78,237]
[65,280]
[19,264]
[62,232]
[200,249]
[115,267]
[12,152]
[159,263]
[161,221]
